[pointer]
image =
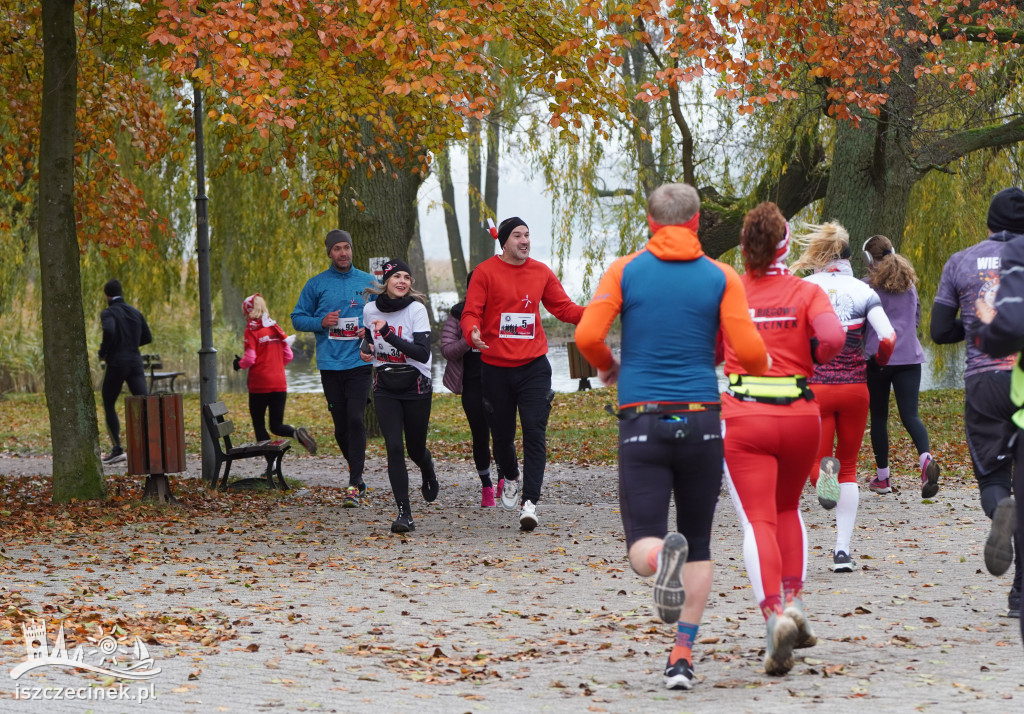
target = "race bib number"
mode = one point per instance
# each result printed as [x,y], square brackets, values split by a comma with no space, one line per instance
[346,329]
[518,326]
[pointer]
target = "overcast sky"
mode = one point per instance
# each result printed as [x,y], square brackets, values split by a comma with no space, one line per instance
[520,194]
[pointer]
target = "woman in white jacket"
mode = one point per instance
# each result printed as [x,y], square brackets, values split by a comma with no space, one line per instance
[840,386]
[399,328]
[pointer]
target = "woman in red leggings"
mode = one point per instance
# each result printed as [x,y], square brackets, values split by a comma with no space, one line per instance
[772,429]
[840,386]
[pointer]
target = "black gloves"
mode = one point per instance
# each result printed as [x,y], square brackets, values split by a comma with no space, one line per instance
[235,361]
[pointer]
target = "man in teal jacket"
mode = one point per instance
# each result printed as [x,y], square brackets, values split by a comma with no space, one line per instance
[331,307]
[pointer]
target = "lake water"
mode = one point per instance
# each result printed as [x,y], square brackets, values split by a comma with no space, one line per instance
[303,377]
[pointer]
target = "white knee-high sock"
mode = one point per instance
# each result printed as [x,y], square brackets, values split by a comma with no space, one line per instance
[846,515]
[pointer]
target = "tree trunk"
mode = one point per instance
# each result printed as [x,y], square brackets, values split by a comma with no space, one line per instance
[491,179]
[77,471]
[379,211]
[479,249]
[378,207]
[418,263]
[869,184]
[451,222]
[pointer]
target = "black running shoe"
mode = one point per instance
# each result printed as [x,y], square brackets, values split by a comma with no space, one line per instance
[306,439]
[404,523]
[999,546]
[669,594]
[679,675]
[430,485]
[115,456]
[929,478]
[843,563]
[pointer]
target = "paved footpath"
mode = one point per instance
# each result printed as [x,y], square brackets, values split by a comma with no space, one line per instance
[331,612]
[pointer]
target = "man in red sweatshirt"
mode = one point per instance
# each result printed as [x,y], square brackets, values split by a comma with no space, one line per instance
[502,320]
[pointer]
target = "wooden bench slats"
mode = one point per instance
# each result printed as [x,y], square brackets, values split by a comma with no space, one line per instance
[221,428]
[217,408]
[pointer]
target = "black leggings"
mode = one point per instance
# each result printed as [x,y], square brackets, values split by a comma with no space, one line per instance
[527,390]
[473,405]
[410,417]
[347,391]
[115,376]
[259,404]
[905,380]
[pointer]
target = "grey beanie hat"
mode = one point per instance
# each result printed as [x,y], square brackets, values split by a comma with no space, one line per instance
[336,236]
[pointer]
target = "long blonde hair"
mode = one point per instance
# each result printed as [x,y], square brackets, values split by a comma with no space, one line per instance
[258,309]
[822,243]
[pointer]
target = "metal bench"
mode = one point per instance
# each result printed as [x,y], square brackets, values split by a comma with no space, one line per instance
[151,363]
[215,416]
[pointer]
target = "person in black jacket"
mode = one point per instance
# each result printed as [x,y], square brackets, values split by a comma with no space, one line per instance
[124,331]
[970,281]
[1000,332]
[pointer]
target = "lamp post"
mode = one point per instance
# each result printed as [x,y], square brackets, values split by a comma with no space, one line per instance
[207,353]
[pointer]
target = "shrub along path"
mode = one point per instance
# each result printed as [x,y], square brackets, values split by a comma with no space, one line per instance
[258,602]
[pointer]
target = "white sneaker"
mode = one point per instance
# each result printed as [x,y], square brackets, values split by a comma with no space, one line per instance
[527,516]
[510,494]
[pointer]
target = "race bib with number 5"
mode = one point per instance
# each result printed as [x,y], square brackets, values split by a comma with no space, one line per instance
[518,325]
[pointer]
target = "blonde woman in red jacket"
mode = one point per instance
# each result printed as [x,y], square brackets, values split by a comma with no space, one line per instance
[267,351]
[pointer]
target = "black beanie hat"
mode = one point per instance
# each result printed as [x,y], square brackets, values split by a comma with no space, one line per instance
[112,288]
[393,266]
[336,236]
[507,226]
[1006,212]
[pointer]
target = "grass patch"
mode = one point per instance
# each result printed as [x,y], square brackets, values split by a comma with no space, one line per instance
[579,430]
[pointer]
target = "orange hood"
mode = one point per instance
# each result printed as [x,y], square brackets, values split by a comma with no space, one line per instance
[675,243]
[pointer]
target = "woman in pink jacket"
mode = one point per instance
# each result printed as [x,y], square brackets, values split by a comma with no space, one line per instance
[267,351]
[462,376]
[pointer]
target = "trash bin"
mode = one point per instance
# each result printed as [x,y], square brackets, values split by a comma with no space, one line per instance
[156,441]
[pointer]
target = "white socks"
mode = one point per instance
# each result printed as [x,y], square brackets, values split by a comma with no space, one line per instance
[846,515]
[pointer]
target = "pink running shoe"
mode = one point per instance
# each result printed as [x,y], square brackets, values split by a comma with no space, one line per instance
[487,497]
[879,486]
[929,478]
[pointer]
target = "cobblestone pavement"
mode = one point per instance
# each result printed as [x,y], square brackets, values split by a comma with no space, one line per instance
[468,614]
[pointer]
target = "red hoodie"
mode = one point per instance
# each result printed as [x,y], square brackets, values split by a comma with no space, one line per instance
[504,302]
[266,354]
